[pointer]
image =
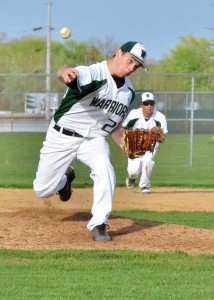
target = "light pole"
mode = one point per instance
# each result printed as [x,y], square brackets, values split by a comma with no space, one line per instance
[48,64]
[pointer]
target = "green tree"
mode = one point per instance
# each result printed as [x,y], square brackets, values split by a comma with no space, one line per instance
[28,56]
[191,56]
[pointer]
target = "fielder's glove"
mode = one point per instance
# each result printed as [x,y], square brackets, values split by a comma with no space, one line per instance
[137,142]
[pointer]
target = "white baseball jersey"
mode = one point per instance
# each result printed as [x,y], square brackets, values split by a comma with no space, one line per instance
[93,105]
[136,120]
[145,163]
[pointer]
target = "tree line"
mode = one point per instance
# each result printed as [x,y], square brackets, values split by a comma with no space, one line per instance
[28,56]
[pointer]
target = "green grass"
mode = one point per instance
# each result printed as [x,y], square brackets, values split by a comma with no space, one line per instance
[20,156]
[173,162]
[111,274]
[105,275]
[191,219]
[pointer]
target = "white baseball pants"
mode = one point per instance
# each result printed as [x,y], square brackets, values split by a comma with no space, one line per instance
[142,165]
[58,153]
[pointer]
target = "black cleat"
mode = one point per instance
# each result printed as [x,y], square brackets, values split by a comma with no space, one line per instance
[99,233]
[66,192]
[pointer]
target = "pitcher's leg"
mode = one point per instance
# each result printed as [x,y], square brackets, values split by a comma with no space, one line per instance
[95,154]
[53,164]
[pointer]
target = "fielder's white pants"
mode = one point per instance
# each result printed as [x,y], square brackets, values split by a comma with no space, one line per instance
[142,165]
[58,153]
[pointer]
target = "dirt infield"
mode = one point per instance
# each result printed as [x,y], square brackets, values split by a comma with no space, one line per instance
[30,223]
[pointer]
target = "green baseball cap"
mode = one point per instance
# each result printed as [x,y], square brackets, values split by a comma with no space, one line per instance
[137,51]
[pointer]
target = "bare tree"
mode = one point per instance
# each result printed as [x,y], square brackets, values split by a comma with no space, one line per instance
[107,46]
[3,36]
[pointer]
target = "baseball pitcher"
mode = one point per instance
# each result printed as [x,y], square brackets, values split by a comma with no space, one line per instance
[95,104]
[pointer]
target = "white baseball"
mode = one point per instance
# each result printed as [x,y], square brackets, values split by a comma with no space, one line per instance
[65,32]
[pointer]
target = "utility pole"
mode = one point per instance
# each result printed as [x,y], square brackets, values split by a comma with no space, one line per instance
[211,57]
[48,64]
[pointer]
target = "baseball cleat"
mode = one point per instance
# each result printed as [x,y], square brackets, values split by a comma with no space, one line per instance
[145,190]
[99,233]
[66,192]
[130,183]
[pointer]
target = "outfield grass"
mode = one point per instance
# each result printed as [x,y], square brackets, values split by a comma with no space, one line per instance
[111,274]
[105,275]
[20,156]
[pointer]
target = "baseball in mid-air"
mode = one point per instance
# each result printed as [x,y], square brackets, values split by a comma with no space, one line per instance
[65,32]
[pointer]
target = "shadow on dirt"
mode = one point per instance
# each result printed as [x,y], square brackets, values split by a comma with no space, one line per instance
[134,227]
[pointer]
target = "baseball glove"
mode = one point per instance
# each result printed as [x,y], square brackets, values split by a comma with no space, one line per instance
[158,134]
[137,142]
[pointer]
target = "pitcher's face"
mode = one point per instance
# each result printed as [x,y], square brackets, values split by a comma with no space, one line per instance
[125,64]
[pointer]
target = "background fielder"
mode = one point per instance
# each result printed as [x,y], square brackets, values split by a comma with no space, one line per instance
[145,117]
[93,107]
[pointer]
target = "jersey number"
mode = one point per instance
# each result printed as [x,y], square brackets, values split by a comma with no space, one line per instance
[114,124]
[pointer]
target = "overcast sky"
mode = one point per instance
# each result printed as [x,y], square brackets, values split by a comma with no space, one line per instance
[158,24]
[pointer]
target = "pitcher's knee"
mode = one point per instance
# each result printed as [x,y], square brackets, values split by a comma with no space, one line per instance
[103,166]
[105,171]
[41,191]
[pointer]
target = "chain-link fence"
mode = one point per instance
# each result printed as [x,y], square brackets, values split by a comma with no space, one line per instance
[23,101]
[26,104]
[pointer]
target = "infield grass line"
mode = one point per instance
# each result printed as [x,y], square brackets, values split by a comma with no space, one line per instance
[191,219]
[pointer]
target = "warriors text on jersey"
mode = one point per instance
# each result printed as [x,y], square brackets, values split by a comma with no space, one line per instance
[89,115]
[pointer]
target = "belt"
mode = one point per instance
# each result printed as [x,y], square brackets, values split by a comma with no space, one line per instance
[66,132]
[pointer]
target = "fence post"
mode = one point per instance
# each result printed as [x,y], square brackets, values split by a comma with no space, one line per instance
[48,64]
[191,120]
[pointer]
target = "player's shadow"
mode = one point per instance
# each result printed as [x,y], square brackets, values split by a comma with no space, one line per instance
[78,217]
[134,227]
